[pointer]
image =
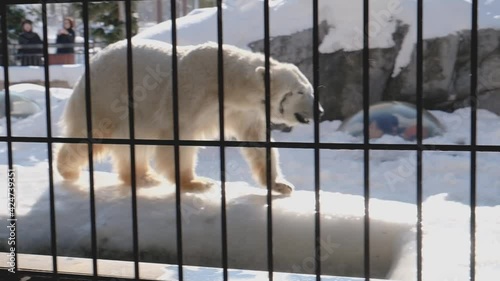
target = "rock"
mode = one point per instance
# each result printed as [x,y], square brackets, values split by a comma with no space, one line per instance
[488,87]
[439,58]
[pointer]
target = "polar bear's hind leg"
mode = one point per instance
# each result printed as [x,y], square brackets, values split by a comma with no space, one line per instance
[70,160]
[144,175]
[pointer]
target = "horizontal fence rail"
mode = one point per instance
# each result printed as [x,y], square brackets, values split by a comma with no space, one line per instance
[84,51]
[277,144]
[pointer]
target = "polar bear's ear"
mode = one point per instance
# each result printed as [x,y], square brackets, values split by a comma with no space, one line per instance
[261,71]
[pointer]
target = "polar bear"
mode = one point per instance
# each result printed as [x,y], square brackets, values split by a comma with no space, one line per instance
[198,109]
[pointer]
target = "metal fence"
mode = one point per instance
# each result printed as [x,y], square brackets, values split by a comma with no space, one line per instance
[315,146]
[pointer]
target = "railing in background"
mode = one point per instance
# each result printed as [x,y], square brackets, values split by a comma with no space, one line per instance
[33,54]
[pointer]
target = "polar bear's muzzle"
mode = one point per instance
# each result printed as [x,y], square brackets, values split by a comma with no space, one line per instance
[301,118]
[297,108]
[304,119]
[305,110]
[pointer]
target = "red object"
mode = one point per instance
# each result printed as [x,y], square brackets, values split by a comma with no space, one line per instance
[411,133]
[61,59]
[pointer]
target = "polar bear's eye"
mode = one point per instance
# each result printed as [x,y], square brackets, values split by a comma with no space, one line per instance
[300,93]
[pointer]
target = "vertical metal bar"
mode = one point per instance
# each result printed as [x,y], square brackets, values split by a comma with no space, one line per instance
[175,105]
[130,80]
[5,52]
[53,242]
[88,114]
[366,134]
[220,69]
[317,217]
[473,141]
[267,82]
[420,71]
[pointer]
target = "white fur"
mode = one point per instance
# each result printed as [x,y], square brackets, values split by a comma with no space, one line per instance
[197,103]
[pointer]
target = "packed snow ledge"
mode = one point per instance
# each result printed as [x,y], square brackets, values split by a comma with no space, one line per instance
[293,226]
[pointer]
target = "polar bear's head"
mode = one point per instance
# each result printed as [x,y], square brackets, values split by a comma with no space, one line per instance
[292,96]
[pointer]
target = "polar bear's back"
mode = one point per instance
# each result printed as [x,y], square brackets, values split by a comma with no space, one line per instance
[152,64]
[152,87]
[109,83]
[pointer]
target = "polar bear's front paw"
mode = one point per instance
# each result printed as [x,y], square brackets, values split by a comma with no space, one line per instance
[283,187]
[196,185]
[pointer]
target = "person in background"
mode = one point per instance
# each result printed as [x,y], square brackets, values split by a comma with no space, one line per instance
[66,35]
[29,55]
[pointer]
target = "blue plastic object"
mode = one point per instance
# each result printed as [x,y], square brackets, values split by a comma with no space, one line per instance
[393,118]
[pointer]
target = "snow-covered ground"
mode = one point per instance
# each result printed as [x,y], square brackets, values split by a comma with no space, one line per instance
[69,73]
[244,22]
[393,191]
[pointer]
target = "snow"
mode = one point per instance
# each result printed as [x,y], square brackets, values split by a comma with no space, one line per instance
[244,24]
[446,183]
[197,273]
[293,224]
[69,73]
